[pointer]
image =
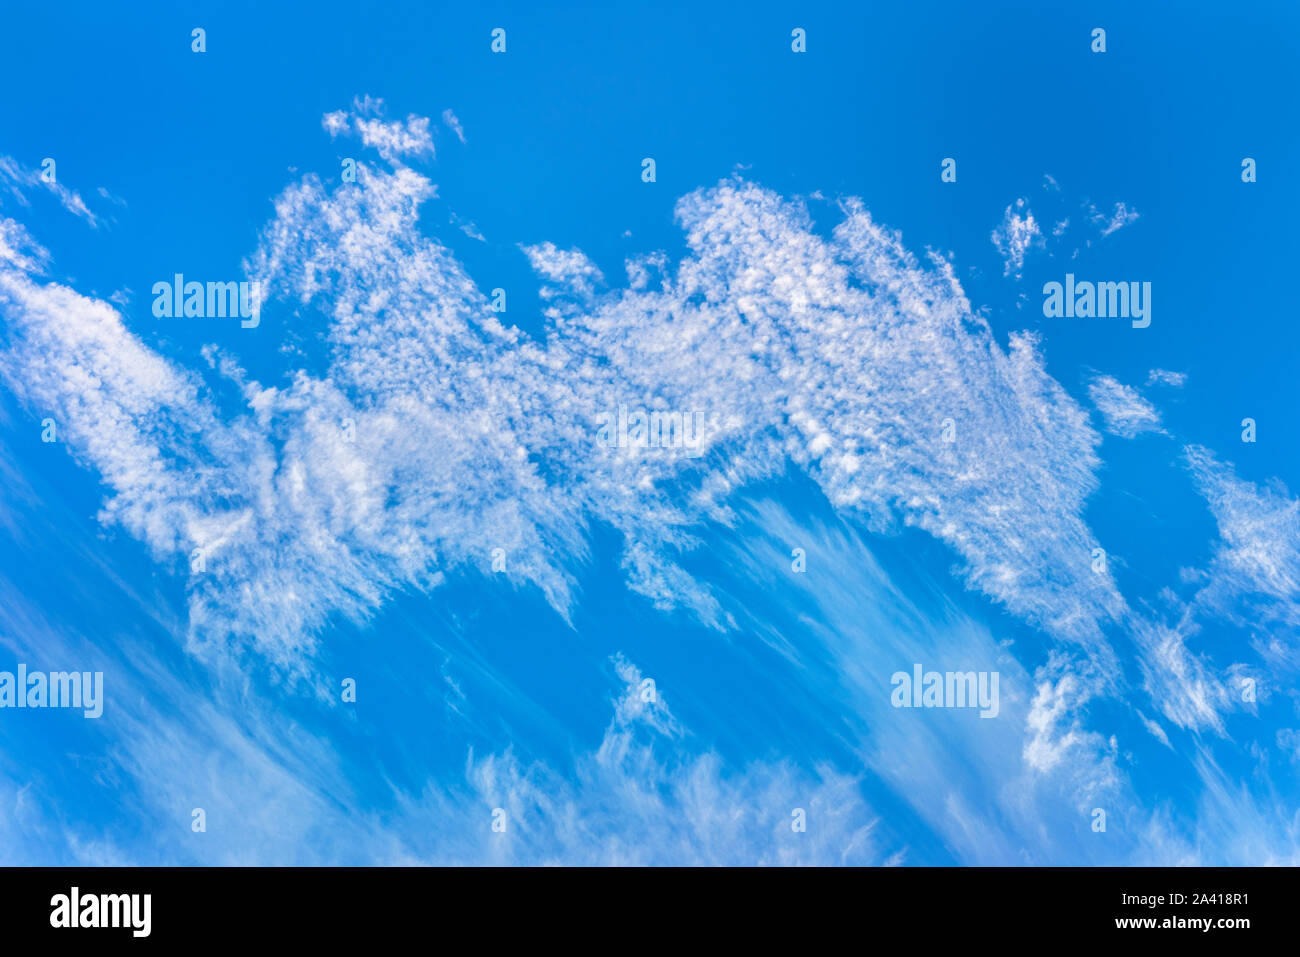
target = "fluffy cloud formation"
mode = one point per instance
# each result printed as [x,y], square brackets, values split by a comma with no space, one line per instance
[1252,582]
[435,436]
[430,439]
[19,178]
[1116,219]
[1126,412]
[565,271]
[393,139]
[1184,685]
[1016,236]
[1254,575]
[1175,380]
[1020,230]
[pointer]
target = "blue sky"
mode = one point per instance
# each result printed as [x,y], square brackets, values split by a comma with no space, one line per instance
[388,481]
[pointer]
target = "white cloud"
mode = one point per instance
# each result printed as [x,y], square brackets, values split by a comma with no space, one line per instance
[842,356]
[274,792]
[646,797]
[468,228]
[1175,380]
[1021,231]
[1255,569]
[845,356]
[1116,219]
[566,270]
[19,250]
[1253,580]
[453,124]
[1183,685]
[846,626]
[20,179]
[1126,412]
[1156,731]
[1056,738]
[1015,237]
[393,139]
